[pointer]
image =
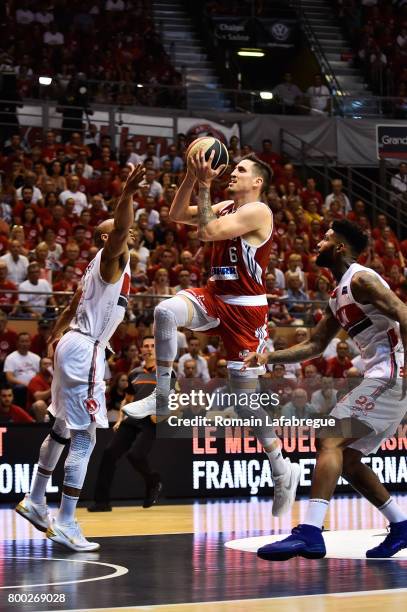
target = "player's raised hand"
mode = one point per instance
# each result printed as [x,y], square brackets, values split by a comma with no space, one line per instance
[253,360]
[202,168]
[137,174]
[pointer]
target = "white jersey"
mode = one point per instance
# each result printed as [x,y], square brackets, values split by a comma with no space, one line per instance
[102,305]
[376,335]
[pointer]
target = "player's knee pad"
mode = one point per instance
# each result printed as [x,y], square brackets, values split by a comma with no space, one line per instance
[169,315]
[50,453]
[76,464]
[59,432]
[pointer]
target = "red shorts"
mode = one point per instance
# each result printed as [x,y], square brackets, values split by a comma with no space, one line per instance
[243,328]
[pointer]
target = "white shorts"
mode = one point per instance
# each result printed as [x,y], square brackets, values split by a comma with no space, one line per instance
[375,402]
[78,386]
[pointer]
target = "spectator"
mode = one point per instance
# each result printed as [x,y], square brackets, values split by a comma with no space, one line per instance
[154,188]
[39,297]
[324,399]
[338,365]
[184,280]
[298,406]
[16,264]
[8,340]
[269,156]
[53,37]
[39,343]
[116,396]
[29,181]
[9,412]
[177,164]
[338,195]
[149,208]
[319,97]
[288,95]
[20,367]
[72,191]
[39,390]
[7,300]
[399,180]
[193,353]
[297,299]
[151,153]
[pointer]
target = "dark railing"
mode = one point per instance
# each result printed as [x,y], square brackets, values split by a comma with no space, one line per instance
[377,197]
[126,96]
[141,303]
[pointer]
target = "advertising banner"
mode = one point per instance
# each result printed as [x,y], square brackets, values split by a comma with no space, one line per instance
[214,462]
[391,141]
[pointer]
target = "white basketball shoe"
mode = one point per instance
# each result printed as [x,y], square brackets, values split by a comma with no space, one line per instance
[285,488]
[36,514]
[70,536]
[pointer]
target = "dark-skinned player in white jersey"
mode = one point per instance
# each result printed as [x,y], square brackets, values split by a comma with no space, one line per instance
[78,387]
[233,303]
[376,320]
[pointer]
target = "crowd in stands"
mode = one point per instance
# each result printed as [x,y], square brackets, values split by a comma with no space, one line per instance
[378,30]
[53,193]
[111,42]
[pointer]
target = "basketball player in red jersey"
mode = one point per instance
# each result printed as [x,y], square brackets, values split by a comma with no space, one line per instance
[376,320]
[78,386]
[233,303]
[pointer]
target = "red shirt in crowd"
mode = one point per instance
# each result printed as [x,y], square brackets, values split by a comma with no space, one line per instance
[7,300]
[38,383]
[15,414]
[337,369]
[8,343]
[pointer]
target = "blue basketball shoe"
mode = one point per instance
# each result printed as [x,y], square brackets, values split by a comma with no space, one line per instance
[304,541]
[395,540]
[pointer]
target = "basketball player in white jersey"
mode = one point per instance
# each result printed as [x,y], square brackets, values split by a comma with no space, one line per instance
[376,320]
[78,387]
[232,304]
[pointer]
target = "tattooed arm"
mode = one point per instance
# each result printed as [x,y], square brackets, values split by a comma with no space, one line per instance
[321,336]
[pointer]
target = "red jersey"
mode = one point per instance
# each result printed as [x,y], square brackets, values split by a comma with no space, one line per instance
[8,343]
[237,267]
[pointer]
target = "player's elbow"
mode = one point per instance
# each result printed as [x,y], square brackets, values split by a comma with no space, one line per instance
[204,235]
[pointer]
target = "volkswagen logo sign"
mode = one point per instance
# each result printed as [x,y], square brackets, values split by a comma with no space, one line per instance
[280,31]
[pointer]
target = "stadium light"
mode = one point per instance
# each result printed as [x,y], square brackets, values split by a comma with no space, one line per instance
[251,53]
[45,80]
[140,85]
[266,95]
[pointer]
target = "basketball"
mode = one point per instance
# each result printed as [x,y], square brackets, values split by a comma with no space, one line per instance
[209,144]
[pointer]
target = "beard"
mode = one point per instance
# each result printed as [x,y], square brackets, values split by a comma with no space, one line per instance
[325,259]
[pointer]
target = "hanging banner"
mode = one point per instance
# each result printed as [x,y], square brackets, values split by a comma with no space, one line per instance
[195,128]
[391,141]
[253,32]
[232,29]
[282,33]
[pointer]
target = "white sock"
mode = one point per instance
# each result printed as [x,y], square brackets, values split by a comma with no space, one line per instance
[316,512]
[392,511]
[277,461]
[164,380]
[67,509]
[37,493]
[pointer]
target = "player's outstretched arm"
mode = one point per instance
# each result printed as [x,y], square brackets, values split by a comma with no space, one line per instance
[326,329]
[367,289]
[116,244]
[63,321]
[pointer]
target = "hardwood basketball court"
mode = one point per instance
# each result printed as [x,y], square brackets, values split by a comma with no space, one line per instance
[173,557]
